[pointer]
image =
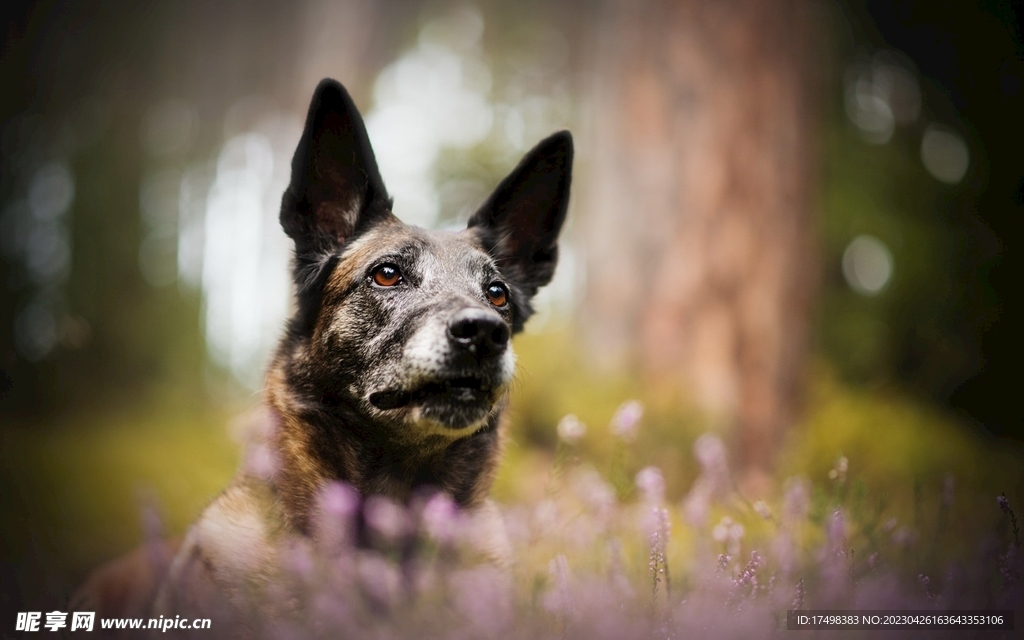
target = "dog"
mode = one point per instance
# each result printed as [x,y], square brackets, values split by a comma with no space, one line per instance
[393,373]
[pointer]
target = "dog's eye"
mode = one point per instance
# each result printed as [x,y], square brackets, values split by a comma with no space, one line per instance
[497,294]
[387,275]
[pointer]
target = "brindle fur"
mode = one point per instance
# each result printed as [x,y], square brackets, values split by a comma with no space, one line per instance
[353,389]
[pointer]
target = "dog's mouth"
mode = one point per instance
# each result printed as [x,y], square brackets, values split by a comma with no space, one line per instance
[468,390]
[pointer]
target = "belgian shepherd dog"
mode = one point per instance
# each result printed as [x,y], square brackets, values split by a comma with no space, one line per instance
[394,371]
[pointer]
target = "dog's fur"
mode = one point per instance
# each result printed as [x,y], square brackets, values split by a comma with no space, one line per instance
[387,388]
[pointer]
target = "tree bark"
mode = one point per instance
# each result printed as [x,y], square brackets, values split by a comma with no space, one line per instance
[699,220]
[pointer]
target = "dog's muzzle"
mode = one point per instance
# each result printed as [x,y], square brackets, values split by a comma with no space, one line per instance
[457,368]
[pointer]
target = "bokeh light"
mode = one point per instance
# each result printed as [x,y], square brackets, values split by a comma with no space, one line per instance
[867,265]
[945,154]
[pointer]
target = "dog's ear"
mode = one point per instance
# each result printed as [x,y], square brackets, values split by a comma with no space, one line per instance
[519,223]
[336,189]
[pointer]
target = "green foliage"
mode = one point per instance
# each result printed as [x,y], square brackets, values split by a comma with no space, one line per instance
[78,489]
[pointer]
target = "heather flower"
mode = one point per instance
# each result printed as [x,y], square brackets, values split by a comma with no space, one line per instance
[697,505]
[380,579]
[559,599]
[798,598]
[332,611]
[926,583]
[337,506]
[657,563]
[746,582]
[441,518]
[785,551]
[483,597]
[835,531]
[1004,504]
[651,484]
[713,481]
[833,559]
[386,518]
[710,453]
[1005,562]
[796,499]
[570,429]
[723,562]
[626,422]
[616,572]
[594,491]
[730,533]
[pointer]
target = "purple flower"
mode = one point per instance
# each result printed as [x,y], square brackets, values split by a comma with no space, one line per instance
[334,522]
[836,531]
[380,579]
[651,484]
[483,596]
[798,598]
[796,499]
[657,563]
[710,453]
[593,490]
[626,422]
[713,481]
[723,562]
[1004,503]
[697,504]
[747,580]
[386,518]
[339,500]
[559,599]
[730,533]
[441,518]
[570,429]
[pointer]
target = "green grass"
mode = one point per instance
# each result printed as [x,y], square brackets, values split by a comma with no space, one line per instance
[76,488]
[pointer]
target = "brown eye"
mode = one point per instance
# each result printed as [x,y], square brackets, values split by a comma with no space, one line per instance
[497,294]
[387,275]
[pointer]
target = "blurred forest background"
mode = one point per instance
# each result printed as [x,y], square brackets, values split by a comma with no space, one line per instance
[792,225]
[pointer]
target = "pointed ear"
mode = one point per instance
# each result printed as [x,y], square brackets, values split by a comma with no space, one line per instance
[336,188]
[519,224]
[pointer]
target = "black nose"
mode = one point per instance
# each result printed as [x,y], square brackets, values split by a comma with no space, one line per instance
[478,330]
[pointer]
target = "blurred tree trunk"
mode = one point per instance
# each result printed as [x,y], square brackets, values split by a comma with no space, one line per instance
[699,224]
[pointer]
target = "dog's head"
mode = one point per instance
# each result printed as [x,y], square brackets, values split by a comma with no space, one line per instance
[400,326]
